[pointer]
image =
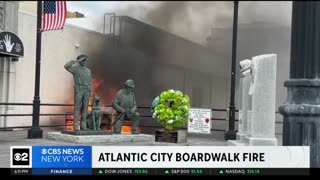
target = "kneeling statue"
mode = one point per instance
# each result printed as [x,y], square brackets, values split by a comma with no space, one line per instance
[126,108]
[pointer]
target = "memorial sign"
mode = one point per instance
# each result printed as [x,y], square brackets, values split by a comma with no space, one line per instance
[199,121]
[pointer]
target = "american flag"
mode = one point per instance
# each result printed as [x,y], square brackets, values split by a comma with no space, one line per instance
[54,15]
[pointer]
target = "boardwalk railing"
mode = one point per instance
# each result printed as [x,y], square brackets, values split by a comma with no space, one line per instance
[142,108]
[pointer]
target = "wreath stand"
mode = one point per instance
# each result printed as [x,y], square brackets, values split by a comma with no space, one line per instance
[171,136]
[177,135]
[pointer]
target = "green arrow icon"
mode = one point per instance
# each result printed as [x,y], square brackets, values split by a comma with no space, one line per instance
[220,172]
[100,172]
[166,172]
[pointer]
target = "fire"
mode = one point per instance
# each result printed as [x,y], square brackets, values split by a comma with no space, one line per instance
[69,117]
[111,95]
[96,84]
[127,129]
[69,122]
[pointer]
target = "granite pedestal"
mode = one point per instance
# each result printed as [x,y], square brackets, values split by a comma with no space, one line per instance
[99,138]
[262,130]
[245,105]
[257,112]
[88,133]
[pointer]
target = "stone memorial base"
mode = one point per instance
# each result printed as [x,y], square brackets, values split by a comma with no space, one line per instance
[98,138]
[239,142]
[79,133]
[252,141]
[170,144]
[236,143]
[241,137]
[174,136]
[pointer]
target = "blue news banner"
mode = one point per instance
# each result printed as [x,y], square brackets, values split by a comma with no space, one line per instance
[159,160]
[61,160]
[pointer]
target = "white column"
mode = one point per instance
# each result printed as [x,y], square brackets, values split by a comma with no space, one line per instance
[245,101]
[7,90]
[263,100]
[8,22]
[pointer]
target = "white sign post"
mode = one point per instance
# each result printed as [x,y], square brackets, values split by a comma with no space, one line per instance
[199,121]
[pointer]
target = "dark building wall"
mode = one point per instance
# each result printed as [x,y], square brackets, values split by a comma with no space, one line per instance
[157,61]
[168,48]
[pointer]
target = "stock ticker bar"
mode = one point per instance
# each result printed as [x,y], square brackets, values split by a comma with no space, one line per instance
[202,171]
[164,171]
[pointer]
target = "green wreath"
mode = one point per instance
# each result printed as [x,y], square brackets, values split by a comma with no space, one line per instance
[171,109]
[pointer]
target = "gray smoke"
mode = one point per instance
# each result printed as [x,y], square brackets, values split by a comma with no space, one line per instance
[194,20]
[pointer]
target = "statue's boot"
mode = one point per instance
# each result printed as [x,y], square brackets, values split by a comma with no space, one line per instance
[76,128]
[134,132]
[98,124]
[117,127]
[134,126]
[83,127]
[76,125]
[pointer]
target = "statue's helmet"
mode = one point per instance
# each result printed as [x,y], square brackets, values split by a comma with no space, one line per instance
[129,83]
[96,99]
[82,57]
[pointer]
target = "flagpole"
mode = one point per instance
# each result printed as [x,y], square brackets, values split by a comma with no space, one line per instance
[35,131]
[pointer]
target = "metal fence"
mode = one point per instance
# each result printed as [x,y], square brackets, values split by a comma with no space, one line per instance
[146,115]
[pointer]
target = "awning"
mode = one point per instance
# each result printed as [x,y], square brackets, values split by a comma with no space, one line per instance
[10,45]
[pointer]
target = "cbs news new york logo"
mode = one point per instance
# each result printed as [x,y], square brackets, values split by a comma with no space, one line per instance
[20,156]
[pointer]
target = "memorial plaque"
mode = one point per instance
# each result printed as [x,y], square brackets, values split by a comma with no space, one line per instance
[199,121]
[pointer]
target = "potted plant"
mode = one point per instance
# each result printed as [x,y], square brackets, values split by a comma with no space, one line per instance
[171,109]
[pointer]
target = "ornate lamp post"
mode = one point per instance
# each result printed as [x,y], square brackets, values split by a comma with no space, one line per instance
[231,134]
[301,111]
[35,131]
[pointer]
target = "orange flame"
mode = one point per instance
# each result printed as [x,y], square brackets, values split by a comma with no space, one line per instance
[127,129]
[124,128]
[96,84]
[111,95]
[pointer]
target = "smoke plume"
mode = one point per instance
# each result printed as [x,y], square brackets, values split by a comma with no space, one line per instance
[194,20]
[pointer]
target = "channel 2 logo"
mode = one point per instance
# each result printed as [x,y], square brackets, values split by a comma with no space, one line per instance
[20,156]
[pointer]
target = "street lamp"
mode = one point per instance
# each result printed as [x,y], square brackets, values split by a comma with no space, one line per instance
[35,132]
[301,110]
[231,134]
